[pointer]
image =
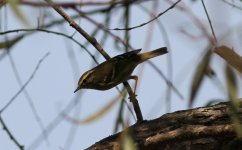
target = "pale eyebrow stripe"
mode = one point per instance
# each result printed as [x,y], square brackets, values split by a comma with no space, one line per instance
[84,77]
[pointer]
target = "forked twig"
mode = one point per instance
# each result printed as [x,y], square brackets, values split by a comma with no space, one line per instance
[25,84]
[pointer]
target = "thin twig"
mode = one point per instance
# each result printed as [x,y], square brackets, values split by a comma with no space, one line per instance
[53,32]
[233,5]
[72,4]
[209,20]
[25,84]
[5,128]
[143,24]
[72,23]
[29,99]
[167,81]
[101,26]
[55,122]
[197,21]
[164,34]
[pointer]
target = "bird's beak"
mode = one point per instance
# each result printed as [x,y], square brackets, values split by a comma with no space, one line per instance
[78,88]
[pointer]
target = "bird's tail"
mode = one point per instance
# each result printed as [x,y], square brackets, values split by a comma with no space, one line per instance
[145,56]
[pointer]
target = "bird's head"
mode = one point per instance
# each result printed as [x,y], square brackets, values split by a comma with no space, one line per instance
[84,81]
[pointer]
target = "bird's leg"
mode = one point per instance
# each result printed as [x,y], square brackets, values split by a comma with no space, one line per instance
[136,82]
[133,99]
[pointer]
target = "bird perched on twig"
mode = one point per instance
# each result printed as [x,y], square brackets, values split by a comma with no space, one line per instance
[116,70]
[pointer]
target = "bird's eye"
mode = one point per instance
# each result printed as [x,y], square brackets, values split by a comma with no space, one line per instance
[84,81]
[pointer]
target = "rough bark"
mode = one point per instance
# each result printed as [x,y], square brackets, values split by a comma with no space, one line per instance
[207,128]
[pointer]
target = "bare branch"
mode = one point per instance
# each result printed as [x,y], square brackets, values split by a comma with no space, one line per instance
[233,5]
[5,128]
[25,84]
[53,32]
[72,4]
[143,24]
[28,97]
[209,20]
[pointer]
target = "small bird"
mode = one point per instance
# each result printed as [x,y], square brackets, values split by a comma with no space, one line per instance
[116,70]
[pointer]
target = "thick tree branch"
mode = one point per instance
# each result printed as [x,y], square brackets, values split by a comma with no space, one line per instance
[200,128]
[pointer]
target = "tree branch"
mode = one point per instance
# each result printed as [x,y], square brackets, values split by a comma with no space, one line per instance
[5,128]
[200,128]
[153,19]
[24,85]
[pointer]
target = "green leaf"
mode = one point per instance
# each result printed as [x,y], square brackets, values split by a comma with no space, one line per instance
[126,141]
[15,7]
[234,103]
[232,86]
[129,143]
[198,77]
[230,56]
[8,44]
